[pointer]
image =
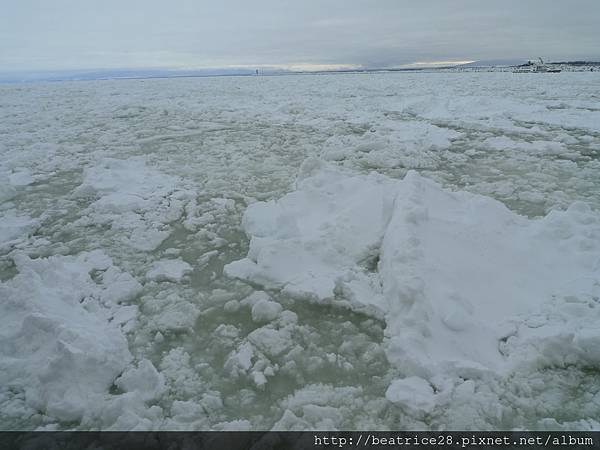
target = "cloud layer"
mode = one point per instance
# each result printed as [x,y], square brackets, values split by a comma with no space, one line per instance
[73,34]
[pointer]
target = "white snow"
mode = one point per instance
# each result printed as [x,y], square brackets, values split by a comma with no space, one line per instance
[413,393]
[458,273]
[21,178]
[7,191]
[132,198]
[14,226]
[144,379]
[256,253]
[169,270]
[59,343]
[307,241]
[265,311]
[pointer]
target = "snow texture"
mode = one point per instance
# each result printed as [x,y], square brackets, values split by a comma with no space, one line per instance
[458,275]
[62,342]
[348,251]
[169,270]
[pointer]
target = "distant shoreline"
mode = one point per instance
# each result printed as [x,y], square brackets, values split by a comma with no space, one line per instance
[104,75]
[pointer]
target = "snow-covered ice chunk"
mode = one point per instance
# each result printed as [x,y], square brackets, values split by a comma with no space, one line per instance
[306,241]
[454,273]
[542,147]
[13,226]
[58,343]
[121,287]
[21,177]
[144,379]
[129,177]
[319,407]
[240,360]
[169,270]
[265,311]
[395,143]
[133,198]
[271,341]
[170,311]
[7,191]
[413,393]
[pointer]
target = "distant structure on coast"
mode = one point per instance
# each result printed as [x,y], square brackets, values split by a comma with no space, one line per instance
[536,67]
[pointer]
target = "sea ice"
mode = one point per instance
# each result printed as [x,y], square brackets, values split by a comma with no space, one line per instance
[456,275]
[413,393]
[358,281]
[59,342]
[14,226]
[133,198]
[265,311]
[169,270]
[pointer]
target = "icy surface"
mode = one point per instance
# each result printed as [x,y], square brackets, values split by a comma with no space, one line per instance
[61,345]
[400,250]
[168,270]
[458,276]
[413,393]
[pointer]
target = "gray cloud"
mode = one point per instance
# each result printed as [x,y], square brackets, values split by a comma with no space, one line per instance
[74,34]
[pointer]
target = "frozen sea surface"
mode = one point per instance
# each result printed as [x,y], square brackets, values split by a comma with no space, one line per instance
[361,251]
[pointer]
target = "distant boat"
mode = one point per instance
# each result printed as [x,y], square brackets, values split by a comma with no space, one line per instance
[536,67]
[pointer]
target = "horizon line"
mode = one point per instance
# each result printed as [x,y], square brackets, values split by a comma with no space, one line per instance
[292,67]
[90,74]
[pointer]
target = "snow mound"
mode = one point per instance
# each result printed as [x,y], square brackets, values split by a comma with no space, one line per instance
[62,341]
[466,286]
[314,238]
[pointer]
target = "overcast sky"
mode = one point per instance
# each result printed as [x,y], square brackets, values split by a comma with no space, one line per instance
[82,34]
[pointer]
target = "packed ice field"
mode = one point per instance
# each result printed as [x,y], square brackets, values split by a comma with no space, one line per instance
[359,251]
